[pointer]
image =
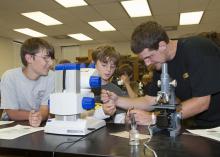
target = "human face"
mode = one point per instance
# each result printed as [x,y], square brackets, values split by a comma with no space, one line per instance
[105,70]
[154,58]
[41,63]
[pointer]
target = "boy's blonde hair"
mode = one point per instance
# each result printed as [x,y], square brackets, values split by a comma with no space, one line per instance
[105,54]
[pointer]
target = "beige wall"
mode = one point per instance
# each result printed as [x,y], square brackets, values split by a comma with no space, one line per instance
[16,54]
[6,55]
[72,52]
[123,48]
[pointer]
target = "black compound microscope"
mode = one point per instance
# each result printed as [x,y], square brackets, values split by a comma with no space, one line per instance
[168,115]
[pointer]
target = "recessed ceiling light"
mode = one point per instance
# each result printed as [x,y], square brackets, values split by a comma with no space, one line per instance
[42,18]
[80,37]
[30,32]
[137,8]
[190,18]
[71,3]
[102,26]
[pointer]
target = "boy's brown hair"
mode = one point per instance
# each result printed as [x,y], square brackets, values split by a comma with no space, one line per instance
[105,54]
[32,46]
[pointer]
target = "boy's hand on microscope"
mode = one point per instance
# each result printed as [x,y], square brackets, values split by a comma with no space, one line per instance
[35,118]
[107,96]
[109,109]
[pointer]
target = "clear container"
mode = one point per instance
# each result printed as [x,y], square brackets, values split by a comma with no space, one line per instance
[134,137]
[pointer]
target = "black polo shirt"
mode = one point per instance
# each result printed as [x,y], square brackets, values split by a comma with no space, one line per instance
[196,67]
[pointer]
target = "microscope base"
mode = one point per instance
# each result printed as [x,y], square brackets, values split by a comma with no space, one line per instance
[77,127]
[172,133]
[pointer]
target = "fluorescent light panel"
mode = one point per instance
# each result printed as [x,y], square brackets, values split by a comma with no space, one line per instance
[71,3]
[191,18]
[80,37]
[30,32]
[102,26]
[42,18]
[137,8]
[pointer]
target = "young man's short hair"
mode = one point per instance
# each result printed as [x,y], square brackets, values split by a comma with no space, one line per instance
[106,53]
[148,35]
[32,46]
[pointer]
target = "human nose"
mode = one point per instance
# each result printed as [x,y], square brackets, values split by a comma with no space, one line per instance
[50,61]
[108,67]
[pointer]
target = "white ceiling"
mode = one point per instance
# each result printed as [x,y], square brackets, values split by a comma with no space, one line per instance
[75,20]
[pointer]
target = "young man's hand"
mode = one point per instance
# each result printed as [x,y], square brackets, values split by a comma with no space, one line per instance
[109,109]
[141,117]
[35,118]
[106,96]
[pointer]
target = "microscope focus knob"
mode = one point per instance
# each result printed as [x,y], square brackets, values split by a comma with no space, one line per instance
[173,83]
[158,83]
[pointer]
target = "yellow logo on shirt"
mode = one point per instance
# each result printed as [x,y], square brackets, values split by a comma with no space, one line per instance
[185,75]
[97,105]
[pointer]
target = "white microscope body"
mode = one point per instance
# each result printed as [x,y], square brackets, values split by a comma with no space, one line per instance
[72,97]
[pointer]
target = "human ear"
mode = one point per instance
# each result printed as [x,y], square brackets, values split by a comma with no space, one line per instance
[29,58]
[162,45]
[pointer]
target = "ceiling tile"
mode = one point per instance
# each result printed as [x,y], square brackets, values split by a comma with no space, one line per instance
[173,19]
[191,5]
[211,17]
[161,7]
[111,10]
[123,23]
[75,19]
[214,5]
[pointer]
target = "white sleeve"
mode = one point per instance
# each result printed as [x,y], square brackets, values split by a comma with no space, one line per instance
[8,92]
